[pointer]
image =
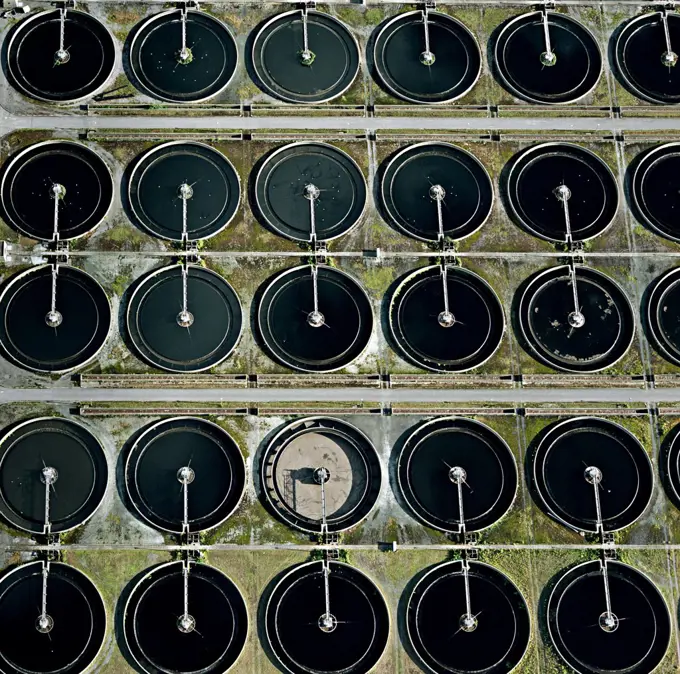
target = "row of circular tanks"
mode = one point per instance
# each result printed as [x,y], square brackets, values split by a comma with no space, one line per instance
[316,318]
[186,475]
[306,56]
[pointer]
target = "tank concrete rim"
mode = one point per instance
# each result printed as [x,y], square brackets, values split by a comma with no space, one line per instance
[334,148]
[571,571]
[437,568]
[18,157]
[425,270]
[631,25]
[165,270]
[298,269]
[153,426]
[149,153]
[565,18]
[413,436]
[292,430]
[522,154]
[539,279]
[8,435]
[295,569]
[449,146]
[80,99]
[662,286]
[159,567]
[278,17]
[553,434]
[75,570]
[645,164]
[145,23]
[34,270]
[441,17]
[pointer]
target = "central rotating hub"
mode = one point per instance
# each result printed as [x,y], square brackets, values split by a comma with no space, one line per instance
[608,622]
[185,191]
[54,318]
[307,57]
[327,622]
[44,624]
[186,623]
[185,56]
[562,192]
[437,193]
[322,475]
[593,475]
[185,319]
[312,192]
[427,58]
[468,622]
[58,191]
[61,57]
[186,475]
[548,58]
[49,475]
[446,319]
[669,59]
[316,319]
[576,319]
[457,475]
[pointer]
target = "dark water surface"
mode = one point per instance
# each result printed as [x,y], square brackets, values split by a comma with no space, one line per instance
[406,184]
[31,56]
[31,342]
[276,58]
[27,190]
[281,182]
[153,327]
[154,57]
[398,49]
[283,318]
[575,72]
[76,608]
[639,48]
[435,609]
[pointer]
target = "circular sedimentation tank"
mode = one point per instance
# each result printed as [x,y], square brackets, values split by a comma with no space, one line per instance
[547,57]
[645,61]
[291,471]
[185,462]
[314,318]
[670,465]
[66,637]
[663,315]
[436,190]
[56,189]
[353,639]
[307,190]
[178,338]
[296,70]
[588,468]
[57,336]
[655,192]
[184,56]
[630,634]
[558,188]
[184,189]
[586,331]
[60,56]
[165,635]
[50,466]
[446,319]
[427,57]
[457,474]
[490,636]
